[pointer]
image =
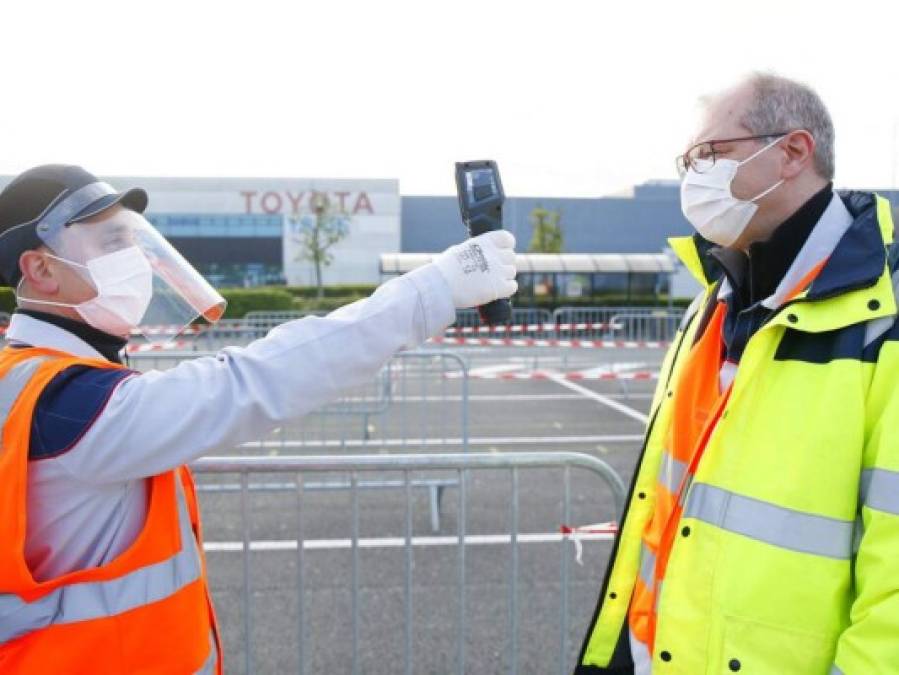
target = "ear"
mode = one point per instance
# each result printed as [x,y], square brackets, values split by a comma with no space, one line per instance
[37,272]
[799,146]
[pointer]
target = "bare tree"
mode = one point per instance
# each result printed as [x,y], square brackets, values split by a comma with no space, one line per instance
[315,233]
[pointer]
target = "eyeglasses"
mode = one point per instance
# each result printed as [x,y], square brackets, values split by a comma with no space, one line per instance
[701,157]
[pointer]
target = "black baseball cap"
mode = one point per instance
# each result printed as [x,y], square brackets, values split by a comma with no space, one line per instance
[32,194]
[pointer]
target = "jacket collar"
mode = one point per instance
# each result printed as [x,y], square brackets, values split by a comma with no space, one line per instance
[855,284]
[693,253]
[27,330]
[859,258]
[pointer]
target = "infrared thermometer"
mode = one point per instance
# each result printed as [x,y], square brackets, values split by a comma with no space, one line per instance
[481,198]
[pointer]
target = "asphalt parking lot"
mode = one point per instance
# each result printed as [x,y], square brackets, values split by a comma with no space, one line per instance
[419,408]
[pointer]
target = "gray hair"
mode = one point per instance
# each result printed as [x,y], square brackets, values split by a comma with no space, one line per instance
[781,104]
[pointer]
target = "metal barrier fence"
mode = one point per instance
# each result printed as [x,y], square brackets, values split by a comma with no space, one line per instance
[619,344]
[629,324]
[461,464]
[466,318]
[624,346]
[618,323]
[586,323]
[419,402]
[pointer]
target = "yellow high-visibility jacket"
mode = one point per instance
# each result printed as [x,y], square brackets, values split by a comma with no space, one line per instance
[792,561]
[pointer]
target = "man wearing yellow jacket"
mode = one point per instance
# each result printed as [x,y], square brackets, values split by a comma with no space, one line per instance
[762,530]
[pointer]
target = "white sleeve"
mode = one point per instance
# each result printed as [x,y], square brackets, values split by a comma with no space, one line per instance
[162,419]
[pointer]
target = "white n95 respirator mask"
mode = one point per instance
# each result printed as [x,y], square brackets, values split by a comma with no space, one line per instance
[124,283]
[708,203]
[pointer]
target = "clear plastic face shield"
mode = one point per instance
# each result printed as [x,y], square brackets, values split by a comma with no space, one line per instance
[140,280]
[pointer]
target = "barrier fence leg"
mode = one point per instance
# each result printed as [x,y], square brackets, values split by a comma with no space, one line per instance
[563,618]
[460,628]
[245,522]
[407,590]
[301,618]
[434,498]
[513,579]
[355,593]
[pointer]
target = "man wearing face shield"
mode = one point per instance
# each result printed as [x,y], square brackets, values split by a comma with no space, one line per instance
[101,565]
[762,531]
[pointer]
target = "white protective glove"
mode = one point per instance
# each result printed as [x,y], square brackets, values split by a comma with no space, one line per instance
[480,270]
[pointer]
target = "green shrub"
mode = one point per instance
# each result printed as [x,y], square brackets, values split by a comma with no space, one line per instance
[7,299]
[243,300]
[262,299]
[302,299]
[324,304]
[335,291]
[274,299]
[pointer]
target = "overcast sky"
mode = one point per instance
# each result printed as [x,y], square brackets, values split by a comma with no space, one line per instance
[571,98]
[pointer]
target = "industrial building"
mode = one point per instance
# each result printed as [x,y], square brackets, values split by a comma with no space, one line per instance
[254,231]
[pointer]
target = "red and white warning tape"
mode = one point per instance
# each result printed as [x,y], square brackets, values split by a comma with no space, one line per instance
[597,531]
[535,342]
[173,346]
[531,328]
[168,330]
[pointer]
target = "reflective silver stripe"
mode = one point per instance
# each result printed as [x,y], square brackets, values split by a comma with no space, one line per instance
[880,490]
[671,472]
[209,665]
[769,523]
[835,670]
[99,599]
[647,566]
[685,493]
[640,655]
[12,384]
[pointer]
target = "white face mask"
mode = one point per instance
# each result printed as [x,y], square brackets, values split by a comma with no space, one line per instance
[124,282]
[709,205]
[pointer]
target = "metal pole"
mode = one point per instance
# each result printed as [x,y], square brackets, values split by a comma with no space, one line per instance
[563,619]
[407,590]
[355,583]
[513,579]
[245,522]
[301,637]
[451,461]
[460,634]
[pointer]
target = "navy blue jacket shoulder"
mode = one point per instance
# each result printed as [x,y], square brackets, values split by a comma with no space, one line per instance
[68,406]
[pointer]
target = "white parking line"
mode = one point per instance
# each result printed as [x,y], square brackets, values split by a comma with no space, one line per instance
[487,371]
[599,398]
[612,368]
[397,542]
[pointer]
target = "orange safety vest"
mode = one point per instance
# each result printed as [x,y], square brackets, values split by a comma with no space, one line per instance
[697,406]
[146,611]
